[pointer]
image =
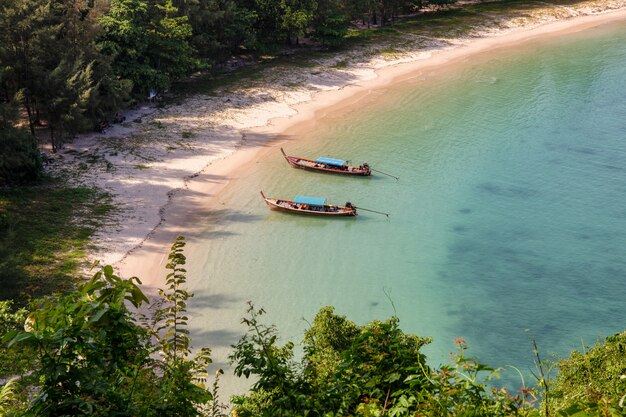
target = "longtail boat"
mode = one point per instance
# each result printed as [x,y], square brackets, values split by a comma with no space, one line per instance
[332,165]
[309,205]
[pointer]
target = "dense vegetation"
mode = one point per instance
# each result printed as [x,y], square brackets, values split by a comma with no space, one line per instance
[70,65]
[86,353]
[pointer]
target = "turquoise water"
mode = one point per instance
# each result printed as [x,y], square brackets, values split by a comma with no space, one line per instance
[508,221]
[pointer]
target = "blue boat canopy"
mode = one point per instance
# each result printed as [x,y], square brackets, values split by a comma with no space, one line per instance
[331,161]
[312,201]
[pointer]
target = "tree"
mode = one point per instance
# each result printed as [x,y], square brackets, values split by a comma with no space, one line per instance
[13,362]
[50,66]
[19,157]
[24,34]
[297,16]
[170,51]
[265,22]
[330,22]
[220,27]
[148,42]
[88,346]
[181,392]
[278,389]
[67,92]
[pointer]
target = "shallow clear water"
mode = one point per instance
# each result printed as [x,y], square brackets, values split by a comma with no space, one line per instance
[508,221]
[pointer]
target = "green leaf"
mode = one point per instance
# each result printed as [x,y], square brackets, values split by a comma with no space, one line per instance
[21,338]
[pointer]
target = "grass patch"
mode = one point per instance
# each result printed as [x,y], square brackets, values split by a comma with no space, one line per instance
[142,166]
[44,231]
[341,64]
[187,134]
[389,51]
[208,83]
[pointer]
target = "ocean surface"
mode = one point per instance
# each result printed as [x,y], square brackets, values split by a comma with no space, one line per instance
[508,221]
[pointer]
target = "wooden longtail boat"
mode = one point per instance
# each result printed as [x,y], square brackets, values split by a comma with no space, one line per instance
[309,205]
[331,165]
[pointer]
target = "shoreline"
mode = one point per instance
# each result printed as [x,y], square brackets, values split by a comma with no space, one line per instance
[185,204]
[188,205]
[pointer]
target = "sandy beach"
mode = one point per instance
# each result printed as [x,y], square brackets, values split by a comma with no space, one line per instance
[163,200]
[162,165]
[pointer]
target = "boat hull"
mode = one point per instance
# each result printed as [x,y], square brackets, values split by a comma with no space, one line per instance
[289,206]
[312,165]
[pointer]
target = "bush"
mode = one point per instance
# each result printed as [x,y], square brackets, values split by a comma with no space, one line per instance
[592,382]
[19,156]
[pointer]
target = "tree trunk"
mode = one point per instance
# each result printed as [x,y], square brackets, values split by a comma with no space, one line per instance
[29,111]
[37,117]
[54,148]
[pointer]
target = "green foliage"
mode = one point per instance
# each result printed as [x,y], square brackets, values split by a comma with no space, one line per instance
[278,388]
[88,345]
[50,66]
[257,353]
[369,370]
[19,156]
[91,357]
[220,28]
[13,362]
[10,319]
[71,64]
[265,22]
[67,91]
[170,315]
[461,389]
[332,30]
[6,397]
[324,342]
[183,391]
[297,15]
[592,382]
[148,42]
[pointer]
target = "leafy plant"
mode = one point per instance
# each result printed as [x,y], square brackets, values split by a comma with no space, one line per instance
[369,370]
[592,382]
[6,396]
[93,358]
[88,345]
[182,392]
